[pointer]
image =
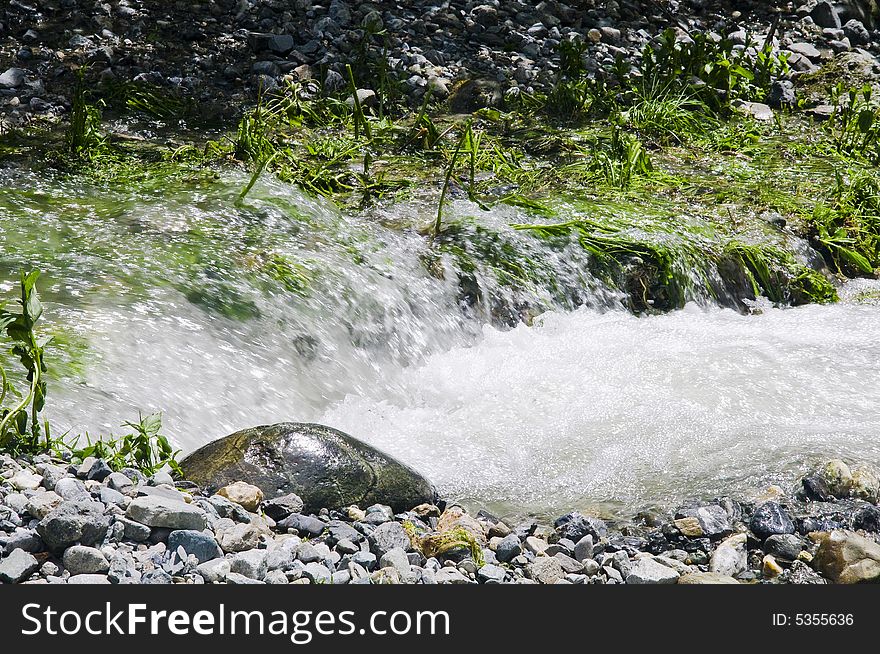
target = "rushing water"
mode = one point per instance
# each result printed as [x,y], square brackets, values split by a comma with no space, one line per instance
[171,301]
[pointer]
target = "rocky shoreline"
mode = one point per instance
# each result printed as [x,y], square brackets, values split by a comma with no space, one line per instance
[83,523]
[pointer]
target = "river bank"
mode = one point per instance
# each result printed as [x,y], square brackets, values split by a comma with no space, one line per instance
[83,523]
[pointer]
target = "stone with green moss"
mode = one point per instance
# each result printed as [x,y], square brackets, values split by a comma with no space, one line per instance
[325,467]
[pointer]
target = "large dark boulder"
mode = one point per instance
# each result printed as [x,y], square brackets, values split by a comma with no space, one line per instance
[324,466]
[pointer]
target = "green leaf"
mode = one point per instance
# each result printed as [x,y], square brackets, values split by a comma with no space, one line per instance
[856,259]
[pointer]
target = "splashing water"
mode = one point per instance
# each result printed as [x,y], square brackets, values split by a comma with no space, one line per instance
[225,317]
[613,411]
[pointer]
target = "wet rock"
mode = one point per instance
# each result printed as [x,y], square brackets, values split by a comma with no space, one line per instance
[575,526]
[865,484]
[838,478]
[847,558]
[325,467]
[769,519]
[711,521]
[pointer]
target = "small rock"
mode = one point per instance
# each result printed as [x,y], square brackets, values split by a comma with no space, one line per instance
[867,518]
[251,564]
[770,568]
[238,537]
[838,477]
[99,470]
[825,15]
[238,579]
[12,78]
[535,545]
[450,576]
[648,571]
[801,573]
[756,110]
[80,559]
[784,546]
[508,548]
[118,481]
[281,507]
[575,526]
[387,536]
[214,571]
[74,521]
[317,573]
[243,494]
[161,512]
[545,570]
[303,524]
[856,32]
[730,557]
[808,50]
[24,479]
[769,519]
[17,567]
[200,544]
[865,484]
[491,574]
[583,550]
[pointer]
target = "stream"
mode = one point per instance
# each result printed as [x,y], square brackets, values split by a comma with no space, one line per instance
[170,297]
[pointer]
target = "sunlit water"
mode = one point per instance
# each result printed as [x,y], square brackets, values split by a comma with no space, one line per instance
[165,300]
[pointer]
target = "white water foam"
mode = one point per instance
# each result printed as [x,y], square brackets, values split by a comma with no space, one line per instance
[613,411]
